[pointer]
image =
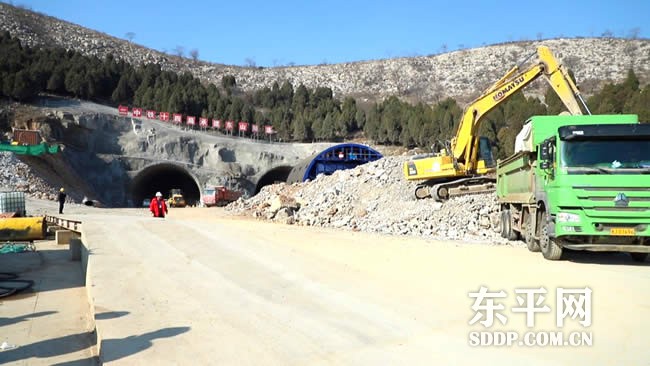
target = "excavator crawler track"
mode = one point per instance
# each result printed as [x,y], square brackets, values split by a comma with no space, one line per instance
[463,187]
[442,191]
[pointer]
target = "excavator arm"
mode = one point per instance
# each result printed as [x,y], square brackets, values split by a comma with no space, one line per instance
[462,168]
[465,144]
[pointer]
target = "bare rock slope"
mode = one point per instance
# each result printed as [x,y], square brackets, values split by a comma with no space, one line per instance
[460,74]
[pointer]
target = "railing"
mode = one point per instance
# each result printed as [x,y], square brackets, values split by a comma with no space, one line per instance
[73,225]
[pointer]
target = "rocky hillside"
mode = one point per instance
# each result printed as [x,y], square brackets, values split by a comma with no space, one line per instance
[458,74]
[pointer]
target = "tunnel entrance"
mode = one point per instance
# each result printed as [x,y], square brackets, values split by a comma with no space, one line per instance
[275,175]
[163,178]
[332,159]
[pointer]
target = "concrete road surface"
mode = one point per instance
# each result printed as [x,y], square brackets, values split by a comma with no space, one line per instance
[204,289]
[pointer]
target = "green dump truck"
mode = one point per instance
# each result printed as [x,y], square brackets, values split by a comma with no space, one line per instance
[578,182]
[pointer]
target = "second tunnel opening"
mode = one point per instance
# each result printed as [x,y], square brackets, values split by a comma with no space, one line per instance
[275,175]
[163,178]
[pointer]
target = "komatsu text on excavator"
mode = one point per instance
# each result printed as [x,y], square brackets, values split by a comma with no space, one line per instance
[466,164]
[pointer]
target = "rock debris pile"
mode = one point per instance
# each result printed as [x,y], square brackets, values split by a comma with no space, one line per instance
[18,176]
[374,197]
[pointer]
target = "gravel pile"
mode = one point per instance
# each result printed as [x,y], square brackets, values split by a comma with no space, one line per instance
[374,197]
[17,176]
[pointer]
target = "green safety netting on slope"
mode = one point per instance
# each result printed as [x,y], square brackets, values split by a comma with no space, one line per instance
[39,149]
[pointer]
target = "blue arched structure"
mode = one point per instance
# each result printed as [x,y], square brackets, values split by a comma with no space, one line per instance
[337,157]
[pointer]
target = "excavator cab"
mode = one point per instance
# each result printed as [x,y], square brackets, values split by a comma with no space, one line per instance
[485,158]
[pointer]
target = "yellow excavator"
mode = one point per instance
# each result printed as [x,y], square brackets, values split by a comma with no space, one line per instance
[465,165]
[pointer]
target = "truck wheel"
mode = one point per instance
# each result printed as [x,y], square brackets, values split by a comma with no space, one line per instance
[510,233]
[639,257]
[529,234]
[550,249]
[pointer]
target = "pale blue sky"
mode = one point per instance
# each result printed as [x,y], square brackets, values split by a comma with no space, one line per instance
[310,32]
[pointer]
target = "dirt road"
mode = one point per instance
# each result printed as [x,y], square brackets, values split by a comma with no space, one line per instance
[208,289]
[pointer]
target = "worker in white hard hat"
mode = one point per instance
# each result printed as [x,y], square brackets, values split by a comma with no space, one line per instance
[158,207]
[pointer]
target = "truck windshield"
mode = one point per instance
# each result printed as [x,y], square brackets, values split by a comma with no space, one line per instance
[606,156]
[208,192]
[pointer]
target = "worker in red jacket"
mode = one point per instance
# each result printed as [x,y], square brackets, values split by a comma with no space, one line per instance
[158,207]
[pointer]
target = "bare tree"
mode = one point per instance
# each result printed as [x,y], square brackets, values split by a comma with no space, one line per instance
[444,48]
[634,33]
[539,36]
[195,54]
[571,62]
[130,36]
[249,62]
[179,51]
[607,33]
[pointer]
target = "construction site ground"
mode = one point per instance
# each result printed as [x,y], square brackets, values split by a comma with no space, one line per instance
[50,323]
[202,287]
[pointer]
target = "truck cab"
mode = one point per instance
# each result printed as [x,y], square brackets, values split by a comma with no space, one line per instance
[584,185]
[218,196]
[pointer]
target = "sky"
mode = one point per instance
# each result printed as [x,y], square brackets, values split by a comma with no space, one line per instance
[275,33]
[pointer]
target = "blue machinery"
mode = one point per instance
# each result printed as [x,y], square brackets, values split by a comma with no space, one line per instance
[338,157]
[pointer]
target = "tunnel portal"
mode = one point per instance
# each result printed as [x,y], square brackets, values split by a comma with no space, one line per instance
[163,178]
[338,157]
[275,175]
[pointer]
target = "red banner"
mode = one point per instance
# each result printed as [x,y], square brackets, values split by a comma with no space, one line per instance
[256,129]
[178,118]
[203,122]
[137,112]
[243,126]
[216,123]
[268,130]
[191,120]
[151,114]
[230,125]
[163,116]
[123,110]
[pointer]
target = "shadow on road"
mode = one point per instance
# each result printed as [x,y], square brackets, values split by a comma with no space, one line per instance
[115,349]
[56,272]
[604,258]
[111,315]
[8,321]
[48,348]
[89,361]
[112,349]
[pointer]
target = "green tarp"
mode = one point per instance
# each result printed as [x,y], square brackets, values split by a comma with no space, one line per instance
[31,149]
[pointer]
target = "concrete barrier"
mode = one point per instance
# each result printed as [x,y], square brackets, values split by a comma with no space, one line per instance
[63,237]
[75,249]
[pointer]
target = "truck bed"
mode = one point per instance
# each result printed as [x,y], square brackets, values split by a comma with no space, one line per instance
[516,178]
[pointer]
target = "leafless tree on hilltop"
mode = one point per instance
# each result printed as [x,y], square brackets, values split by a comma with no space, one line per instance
[195,54]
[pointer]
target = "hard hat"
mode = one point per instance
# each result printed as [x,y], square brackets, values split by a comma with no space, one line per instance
[158,194]
[62,190]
